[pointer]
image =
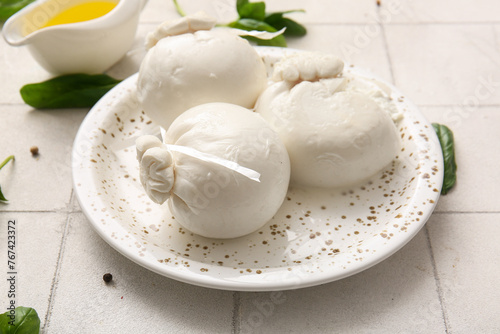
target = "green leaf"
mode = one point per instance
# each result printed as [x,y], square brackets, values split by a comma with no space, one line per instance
[240,4]
[10,7]
[2,197]
[23,320]
[250,24]
[277,21]
[277,41]
[9,158]
[253,10]
[448,147]
[68,91]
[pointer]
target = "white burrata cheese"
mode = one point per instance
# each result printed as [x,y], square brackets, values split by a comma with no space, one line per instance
[186,70]
[224,171]
[338,130]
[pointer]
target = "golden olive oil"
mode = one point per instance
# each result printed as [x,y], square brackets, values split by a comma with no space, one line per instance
[82,12]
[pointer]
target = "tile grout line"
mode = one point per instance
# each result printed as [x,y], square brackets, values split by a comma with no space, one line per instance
[56,274]
[465,212]
[443,23]
[71,200]
[479,106]
[437,281]
[423,23]
[445,105]
[65,210]
[236,319]
[386,45]
[363,23]
[387,53]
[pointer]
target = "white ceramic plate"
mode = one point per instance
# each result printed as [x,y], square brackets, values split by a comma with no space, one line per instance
[316,237]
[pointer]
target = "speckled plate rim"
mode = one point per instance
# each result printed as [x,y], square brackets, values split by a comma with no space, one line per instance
[300,279]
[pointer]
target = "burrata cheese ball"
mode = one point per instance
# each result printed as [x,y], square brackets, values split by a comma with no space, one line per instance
[186,70]
[336,133]
[222,170]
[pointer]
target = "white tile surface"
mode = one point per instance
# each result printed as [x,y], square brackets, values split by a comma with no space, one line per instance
[157,11]
[351,43]
[444,10]
[467,262]
[41,183]
[402,287]
[438,64]
[136,299]
[131,62]
[341,11]
[18,68]
[38,241]
[477,175]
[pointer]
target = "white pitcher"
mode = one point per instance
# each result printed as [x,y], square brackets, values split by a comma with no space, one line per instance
[82,47]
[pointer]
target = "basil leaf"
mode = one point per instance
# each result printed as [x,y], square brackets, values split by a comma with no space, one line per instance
[10,7]
[448,147]
[250,24]
[240,4]
[253,10]
[277,41]
[9,158]
[24,320]
[277,21]
[68,91]
[2,197]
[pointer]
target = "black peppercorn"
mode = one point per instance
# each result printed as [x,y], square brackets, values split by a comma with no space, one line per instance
[34,150]
[107,277]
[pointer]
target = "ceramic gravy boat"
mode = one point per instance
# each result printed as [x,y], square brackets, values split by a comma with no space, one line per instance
[82,47]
